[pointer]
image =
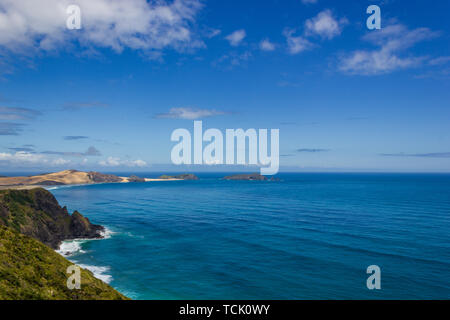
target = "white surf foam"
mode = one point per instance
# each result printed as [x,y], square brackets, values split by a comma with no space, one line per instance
[71,247]
[74,247]
[98,272]
[106,234]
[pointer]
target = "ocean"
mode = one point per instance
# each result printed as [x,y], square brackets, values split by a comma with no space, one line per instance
[307,236]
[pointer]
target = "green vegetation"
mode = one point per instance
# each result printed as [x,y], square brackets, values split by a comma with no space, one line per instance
[29,270]
[31,224]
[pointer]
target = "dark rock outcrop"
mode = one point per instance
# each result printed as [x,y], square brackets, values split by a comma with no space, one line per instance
[249,177]
[134,178]
[186,176]
[37,214]
[98,177]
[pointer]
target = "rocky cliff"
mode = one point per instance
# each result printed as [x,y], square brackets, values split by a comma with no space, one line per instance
[37,214]
[97,177]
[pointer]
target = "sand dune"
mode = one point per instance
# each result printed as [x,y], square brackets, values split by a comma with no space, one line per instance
[68,177]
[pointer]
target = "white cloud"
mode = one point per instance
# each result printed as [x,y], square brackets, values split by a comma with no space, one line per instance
[213,162]
[309,1]
[325,25]
[115,24]
[236,37]
[138,163]
[110,162]
[60,162]
[189,113]
[266,45]
[296,44]
[391,41]
[22,157]
[115,162]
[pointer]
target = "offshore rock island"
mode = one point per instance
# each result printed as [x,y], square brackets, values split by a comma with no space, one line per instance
[188,176]
[249,177]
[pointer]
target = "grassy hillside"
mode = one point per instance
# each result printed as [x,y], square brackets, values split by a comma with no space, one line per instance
[31,270]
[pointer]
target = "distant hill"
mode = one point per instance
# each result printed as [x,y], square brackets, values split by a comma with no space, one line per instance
[29,270]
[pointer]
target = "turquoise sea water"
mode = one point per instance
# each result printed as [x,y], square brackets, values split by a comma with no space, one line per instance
[308,236]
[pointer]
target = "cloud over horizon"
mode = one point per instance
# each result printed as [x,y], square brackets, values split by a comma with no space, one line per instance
[21,157]
[420,155]
[312,150]
[116,162]
[189,113]
[25,149]
[91,151]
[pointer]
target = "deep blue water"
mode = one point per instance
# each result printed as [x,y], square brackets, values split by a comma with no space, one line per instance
[308,236]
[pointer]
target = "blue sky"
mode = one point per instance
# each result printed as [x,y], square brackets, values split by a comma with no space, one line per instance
[108,96]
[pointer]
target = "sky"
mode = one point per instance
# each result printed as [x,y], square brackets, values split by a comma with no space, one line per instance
[108,96]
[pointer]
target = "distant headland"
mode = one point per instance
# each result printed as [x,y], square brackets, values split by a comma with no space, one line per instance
[75,177]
